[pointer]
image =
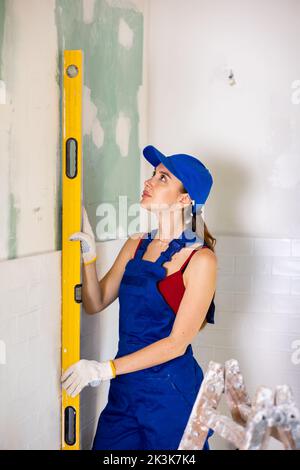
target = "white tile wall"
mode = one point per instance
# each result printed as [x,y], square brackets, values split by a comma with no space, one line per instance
[30,328]
[257,313]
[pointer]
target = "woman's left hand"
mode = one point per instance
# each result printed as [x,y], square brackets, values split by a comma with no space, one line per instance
[84,373]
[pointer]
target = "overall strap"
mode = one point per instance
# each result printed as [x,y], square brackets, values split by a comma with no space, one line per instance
[142,245]
[174,246]
[186,239]
[138,246]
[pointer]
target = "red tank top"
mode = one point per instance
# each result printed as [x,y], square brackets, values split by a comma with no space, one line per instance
[172,287]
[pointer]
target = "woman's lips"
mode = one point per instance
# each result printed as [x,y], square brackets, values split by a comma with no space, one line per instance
[145,194]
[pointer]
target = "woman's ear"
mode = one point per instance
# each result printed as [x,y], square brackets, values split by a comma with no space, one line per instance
[185,199]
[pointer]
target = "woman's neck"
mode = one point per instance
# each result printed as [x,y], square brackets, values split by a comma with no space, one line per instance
[166,233]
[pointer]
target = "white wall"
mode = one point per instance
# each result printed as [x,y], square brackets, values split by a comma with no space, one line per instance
[30,312]
[247,134]
[30,321]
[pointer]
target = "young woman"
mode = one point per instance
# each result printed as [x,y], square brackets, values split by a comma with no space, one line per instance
[165,281]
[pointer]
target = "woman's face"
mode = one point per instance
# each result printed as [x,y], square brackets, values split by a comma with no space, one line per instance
[162,190]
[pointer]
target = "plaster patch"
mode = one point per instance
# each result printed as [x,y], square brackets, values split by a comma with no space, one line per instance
[125,36]
[123,129]
[97,134]
[91,124]
[88,11]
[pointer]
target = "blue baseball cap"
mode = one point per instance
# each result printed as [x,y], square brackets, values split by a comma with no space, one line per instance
[194,176]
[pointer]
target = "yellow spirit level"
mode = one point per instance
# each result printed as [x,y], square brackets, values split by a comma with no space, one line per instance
[71,222]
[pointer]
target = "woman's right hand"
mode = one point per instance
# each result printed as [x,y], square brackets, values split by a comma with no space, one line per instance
[87,240]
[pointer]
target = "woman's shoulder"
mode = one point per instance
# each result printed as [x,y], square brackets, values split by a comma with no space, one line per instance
[203,258]
[204,251]
[202,254]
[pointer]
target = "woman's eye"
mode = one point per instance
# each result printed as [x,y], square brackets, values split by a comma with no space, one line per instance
[162,176]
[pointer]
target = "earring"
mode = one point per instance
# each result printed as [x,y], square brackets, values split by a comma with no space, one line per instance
[194,223]
[192,203]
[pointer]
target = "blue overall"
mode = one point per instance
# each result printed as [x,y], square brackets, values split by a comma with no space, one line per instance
[149,408]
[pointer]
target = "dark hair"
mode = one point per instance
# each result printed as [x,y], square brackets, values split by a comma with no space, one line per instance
[207,236]
[204,233]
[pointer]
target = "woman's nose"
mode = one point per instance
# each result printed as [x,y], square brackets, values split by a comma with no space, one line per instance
[148,182]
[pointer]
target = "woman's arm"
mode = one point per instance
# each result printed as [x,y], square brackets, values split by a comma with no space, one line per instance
[98,294]
[201,285]
[156,353]
[91,291]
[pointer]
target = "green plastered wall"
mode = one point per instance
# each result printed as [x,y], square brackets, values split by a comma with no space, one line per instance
[113,73]
[33,36]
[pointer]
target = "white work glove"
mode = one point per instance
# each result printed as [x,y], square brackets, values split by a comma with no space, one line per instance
[84,373]
[87,240]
